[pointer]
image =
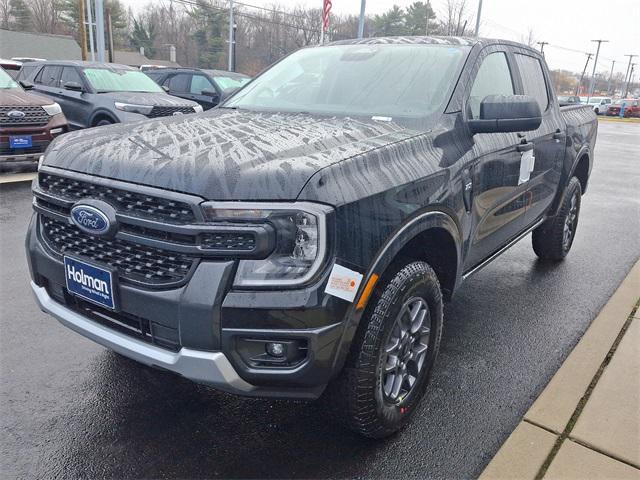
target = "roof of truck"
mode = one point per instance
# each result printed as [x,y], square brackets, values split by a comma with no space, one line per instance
[417,40]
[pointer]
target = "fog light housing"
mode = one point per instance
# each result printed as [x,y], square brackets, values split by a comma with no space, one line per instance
[275,349]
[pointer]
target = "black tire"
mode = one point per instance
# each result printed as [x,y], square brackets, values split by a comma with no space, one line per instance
[363,394]
[103,122]
[553,239]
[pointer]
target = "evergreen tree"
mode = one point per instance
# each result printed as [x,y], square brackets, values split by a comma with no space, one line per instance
[142,36]
[415,18]
[20,15]
[392,22]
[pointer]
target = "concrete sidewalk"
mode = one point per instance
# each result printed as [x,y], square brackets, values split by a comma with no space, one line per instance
[586,422]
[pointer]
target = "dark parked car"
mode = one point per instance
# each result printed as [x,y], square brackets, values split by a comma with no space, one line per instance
[93,94]
[631,108]
[28,123]
[305,234]
[566,100]
[207,87]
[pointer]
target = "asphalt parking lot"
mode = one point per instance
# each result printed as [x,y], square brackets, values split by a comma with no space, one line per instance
[70,408]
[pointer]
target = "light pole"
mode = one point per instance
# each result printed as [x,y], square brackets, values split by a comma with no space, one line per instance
[627,72]
[589,55]
[231,39]
[363,5]
[626,90]
[593,74]
[100,30]
[478,17]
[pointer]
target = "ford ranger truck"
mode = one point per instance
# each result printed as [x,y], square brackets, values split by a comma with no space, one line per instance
[300,239]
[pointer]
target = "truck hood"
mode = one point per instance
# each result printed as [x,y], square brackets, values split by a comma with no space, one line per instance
[222,154]
[146,98]
[16,97]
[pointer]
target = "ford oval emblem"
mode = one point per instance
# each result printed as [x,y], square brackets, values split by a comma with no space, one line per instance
[16,114]
[90,219]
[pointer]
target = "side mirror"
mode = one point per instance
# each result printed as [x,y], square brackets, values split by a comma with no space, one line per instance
[74,86]
[211,93]
[506,113]
[229,91]
[26,84]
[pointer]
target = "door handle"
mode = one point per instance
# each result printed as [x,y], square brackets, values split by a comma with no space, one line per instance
[525,147]
[559,135]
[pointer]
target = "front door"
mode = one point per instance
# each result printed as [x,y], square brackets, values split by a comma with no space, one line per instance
[499,197]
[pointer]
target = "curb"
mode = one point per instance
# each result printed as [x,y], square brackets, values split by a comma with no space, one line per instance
[17,177]
[541,443]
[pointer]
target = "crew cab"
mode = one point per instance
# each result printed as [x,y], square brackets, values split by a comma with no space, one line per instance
[94,94]
[28,123]
[300,239]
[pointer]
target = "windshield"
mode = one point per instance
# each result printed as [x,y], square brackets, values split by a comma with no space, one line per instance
[376,80]
[120,80]
[6,82]
[225,82]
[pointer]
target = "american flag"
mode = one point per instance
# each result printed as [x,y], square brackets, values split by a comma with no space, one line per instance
[326,8]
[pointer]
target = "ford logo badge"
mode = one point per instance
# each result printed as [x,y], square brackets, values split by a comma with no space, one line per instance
[16,114]
[90,219]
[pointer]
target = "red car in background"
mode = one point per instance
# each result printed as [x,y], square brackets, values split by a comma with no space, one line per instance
[631,108]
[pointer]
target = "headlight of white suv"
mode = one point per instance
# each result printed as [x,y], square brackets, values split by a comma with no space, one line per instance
[53,109]
[132,108]
[300,240]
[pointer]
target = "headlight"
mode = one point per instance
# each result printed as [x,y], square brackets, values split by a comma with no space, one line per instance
[40,162]
[53,109]
[132,108]
[300,245]
[198,109]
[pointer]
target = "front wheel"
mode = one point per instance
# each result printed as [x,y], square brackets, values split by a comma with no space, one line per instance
[553,239]
[393,353]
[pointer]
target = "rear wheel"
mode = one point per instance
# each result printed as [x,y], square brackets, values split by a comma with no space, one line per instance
[553,239]
[393,353]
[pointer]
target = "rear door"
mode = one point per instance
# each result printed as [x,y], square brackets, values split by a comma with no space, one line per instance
[499,201]
[47,81]
[548,140]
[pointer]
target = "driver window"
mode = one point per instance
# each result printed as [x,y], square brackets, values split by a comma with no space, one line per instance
[493,78]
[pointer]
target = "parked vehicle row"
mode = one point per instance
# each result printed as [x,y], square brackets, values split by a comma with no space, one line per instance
[28,123]
[630,107]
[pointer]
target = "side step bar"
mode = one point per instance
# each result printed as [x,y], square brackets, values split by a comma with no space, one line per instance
[490,259]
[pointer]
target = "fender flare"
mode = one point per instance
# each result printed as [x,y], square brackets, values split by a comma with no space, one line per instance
[426,220]
[557,202]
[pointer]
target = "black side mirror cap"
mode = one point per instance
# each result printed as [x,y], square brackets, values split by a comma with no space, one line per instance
[211,93]
[74,86]
[507,113]
[26,84]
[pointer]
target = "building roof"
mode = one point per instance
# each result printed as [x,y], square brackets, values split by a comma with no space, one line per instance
[37,45]
[135,59]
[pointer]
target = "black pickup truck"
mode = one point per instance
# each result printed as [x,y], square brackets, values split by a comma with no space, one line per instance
[301,238]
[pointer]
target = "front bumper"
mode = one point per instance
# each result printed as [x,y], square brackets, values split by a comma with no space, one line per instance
[209,368]
[200,329]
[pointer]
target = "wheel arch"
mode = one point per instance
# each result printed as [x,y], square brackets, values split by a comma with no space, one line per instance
[419,238]
[580,168]
[100,115]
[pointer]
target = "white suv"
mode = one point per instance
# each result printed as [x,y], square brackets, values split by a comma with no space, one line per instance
[600,104]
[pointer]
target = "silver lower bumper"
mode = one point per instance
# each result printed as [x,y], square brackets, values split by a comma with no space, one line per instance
[209,368]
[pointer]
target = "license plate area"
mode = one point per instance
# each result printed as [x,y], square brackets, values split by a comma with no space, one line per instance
[90,282]
[20,141]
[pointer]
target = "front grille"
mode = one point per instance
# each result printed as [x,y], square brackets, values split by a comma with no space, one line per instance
[37,148]
[166,111]
[131,203]
[33,116]
[134,262]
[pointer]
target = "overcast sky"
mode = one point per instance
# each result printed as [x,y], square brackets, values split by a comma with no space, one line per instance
[565,24]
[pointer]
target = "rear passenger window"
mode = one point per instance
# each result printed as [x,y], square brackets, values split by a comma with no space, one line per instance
[533,79]
[49,75]
[180,83]
[493,78]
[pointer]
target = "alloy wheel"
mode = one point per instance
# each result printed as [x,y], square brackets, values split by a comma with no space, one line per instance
[406,350]
[570,222]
